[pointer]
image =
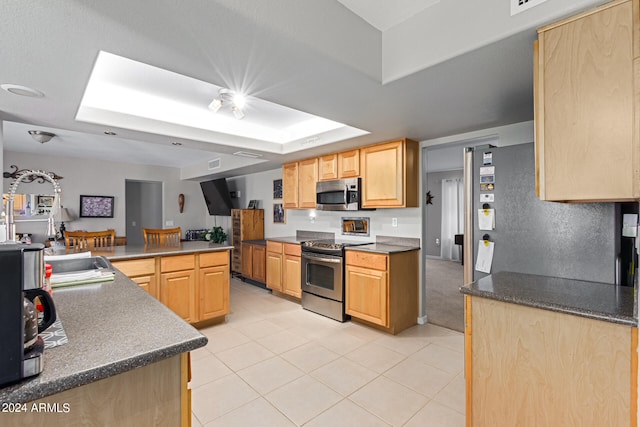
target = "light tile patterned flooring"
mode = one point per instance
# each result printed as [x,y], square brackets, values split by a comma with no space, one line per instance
[273,363]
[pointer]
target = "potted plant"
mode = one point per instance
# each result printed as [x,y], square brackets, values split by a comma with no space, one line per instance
[216,235]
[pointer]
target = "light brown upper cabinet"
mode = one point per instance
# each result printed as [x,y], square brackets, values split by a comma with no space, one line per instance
[349,164]
[587,102]
[339,165]
[328,167]
[390,174]
[299,184]
[290,185]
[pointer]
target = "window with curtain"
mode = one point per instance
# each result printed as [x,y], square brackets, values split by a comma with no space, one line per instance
[452,218]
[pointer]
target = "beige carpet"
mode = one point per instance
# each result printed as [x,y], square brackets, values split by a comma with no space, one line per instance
[445,304]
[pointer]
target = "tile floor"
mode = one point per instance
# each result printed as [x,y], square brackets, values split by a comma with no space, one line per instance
[273,363]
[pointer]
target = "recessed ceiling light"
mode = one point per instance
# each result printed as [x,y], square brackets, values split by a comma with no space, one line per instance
[22,90]
[110,133]
[176,143]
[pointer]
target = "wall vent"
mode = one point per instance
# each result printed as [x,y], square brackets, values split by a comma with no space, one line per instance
[518,6]
[215,164]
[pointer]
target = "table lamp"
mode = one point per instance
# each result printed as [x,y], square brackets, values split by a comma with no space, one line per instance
[65,215]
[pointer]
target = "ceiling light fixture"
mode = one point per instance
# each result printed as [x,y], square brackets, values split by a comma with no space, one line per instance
[177,144]
[41,136]
[227,96]
[22,90]
[110,133]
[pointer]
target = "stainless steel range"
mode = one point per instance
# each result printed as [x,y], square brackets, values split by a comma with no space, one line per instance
[323,277]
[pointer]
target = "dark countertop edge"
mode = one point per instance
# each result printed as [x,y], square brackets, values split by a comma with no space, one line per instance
[105,371]
[259,242]
[287,239]
[382,248]
[183,251]
[560,308]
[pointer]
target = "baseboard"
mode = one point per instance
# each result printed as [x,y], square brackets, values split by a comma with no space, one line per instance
[422,320]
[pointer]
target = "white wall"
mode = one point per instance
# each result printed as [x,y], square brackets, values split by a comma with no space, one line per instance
[95,177]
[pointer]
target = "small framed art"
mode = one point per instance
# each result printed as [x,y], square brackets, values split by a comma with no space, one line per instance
[278,213]
[277,188]
[96,206]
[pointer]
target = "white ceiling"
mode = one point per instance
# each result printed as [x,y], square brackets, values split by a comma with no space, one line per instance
[317,57]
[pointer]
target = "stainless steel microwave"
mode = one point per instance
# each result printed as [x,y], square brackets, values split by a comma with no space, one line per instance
[338,195]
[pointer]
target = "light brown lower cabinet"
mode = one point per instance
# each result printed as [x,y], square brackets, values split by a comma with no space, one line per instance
[253,262]
[382,289]
[283,268]
[194,286]
[533,367]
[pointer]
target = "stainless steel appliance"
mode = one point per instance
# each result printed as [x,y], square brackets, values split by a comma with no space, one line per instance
[338,195]
[22,269]
[323,277]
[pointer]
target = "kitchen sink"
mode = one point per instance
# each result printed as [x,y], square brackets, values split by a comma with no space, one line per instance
[80,264]
[80,271]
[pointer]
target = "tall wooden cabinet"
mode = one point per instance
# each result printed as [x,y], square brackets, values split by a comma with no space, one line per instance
[587,98]
[247,224]
[390,174]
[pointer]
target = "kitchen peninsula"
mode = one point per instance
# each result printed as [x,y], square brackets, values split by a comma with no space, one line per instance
[192,279]
[550,351]
[125,363]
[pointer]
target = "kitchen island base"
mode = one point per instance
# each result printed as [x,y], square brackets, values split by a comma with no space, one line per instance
[527,366]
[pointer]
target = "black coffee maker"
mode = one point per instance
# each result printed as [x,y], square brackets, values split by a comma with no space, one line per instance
[21,281]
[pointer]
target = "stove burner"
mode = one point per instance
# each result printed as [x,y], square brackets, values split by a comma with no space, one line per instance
[329,245]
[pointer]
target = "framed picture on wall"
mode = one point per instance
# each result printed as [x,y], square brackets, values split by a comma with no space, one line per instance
[96,206]
[278,214]
[45,201]
[277,188]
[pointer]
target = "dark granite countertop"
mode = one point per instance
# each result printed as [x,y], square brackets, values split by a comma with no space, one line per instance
[382,248]
[601,301]
[256,242]
[120,253]
[112,327]
[288,239]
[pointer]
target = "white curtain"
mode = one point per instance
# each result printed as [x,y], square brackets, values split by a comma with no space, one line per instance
[452,217]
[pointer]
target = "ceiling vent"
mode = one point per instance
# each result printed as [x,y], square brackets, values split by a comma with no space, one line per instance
[518,6]
[215,164]
[247,154]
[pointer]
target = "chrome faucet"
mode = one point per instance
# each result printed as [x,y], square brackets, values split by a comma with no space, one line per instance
[11,224]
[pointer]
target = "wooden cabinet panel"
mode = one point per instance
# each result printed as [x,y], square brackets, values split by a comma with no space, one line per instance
[177,291]
[539,367]
[177,263]
[586,144]
[307,178]
[258,257]
[366,296]
[292,249]
[274,246]
[213,288]
[328,167]
[148,283]
[366,259]
[274,271]
[390,174]
[382,289]
[349,164]
[136,267]
[253,262]
[247,224]
[291,283]
[214,258]
[290,185]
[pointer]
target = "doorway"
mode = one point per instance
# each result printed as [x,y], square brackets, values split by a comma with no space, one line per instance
[143,208]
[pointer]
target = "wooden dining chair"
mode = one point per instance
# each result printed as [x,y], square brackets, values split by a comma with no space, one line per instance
[76,241]
[161,237]
[101,241]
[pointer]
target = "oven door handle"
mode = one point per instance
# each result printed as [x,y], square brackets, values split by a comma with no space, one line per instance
[321,258]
